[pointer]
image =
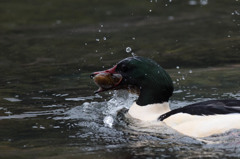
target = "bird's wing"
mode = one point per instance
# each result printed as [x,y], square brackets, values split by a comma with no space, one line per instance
[211,107]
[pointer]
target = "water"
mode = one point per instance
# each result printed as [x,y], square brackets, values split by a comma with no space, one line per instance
[48,49]
[63,123]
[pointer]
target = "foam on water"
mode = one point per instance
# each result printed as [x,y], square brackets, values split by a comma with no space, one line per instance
[108,121]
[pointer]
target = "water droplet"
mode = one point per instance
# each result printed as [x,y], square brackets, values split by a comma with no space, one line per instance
[190,71]
[177,67]
[104,38]
[100,58]
[97,39]
[133,38]
[179,72]
[229,36]
[150,10]
[99,31]
[128,49]
[101,26]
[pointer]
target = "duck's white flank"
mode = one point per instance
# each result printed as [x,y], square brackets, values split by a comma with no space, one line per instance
[150,112]
[191,125]
[203,126]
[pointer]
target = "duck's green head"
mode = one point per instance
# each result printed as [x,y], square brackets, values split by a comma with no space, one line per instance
[140,75]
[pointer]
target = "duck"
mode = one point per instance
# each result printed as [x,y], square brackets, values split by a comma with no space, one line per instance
[154,87]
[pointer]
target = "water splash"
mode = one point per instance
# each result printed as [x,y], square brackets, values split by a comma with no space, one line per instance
[108,121]
[100,110]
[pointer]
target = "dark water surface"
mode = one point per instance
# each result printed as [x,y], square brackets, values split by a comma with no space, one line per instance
[49,48]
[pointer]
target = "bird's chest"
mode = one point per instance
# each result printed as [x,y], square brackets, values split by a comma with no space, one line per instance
[148,113]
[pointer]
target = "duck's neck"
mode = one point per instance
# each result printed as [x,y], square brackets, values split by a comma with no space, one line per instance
[149,112]
[154,92]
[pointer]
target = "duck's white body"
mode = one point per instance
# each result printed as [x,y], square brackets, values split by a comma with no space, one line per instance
[191,125]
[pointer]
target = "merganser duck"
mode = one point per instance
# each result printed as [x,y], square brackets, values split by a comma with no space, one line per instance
[154,87]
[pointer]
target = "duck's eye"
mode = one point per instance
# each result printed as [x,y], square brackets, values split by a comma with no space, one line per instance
[124,68]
